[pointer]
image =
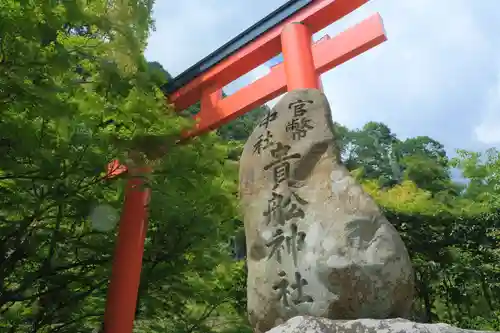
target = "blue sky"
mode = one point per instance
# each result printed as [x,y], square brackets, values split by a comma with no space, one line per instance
[437,75]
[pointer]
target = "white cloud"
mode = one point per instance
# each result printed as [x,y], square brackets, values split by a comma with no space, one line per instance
[488,130]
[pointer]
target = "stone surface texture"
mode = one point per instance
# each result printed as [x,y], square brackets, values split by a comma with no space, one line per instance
[317,244]
[307,324]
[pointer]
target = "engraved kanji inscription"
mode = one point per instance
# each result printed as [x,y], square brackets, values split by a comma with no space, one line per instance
[264,141]
[299,107]
[293,204]
[282,288]
[295,242]
[293,293]
[299,127]
[268,118]
[274,210]
[277,245]
[281,166]
[282,208]
[298,287]
[291,242]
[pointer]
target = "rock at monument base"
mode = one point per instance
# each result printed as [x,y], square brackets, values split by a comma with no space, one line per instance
[306,324]
[317,244]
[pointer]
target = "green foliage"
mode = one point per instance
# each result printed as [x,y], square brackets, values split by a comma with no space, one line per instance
[380,155]
[76,93]
[160,75]
[453,242]
[482,170]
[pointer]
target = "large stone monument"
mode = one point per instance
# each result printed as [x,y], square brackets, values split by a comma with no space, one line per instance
[317,244]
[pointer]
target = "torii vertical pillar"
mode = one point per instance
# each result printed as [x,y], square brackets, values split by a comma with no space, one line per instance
[127,261]
[296,44]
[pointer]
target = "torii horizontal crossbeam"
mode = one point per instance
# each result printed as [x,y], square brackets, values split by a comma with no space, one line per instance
[316,16]
[327,54]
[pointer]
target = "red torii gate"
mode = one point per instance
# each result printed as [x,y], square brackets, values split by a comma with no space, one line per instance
[303,64]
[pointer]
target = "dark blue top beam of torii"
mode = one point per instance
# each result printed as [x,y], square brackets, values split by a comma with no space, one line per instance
[235,44]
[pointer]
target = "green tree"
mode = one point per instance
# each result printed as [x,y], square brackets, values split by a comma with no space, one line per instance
[454,254]
[424,161]
[76,93]
[451,231]
[482,171]
[373,147]
[378,154]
